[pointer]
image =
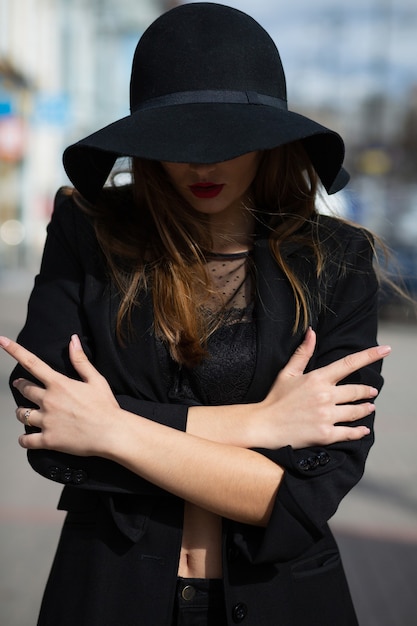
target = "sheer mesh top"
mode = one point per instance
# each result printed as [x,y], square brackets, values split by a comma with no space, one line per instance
[225,375]
[231,276]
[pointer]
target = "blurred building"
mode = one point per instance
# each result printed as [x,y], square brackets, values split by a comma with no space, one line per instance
[15,94]
[64,72]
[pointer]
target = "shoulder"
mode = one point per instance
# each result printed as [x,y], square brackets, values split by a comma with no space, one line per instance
[333,232]
[348,253]
[344,245]
[330,239]
[71,230]
[70,219]
[69,209]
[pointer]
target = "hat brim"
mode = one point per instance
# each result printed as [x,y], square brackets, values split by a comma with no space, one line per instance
[202,133]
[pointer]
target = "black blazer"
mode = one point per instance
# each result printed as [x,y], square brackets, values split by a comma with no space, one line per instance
[118,555]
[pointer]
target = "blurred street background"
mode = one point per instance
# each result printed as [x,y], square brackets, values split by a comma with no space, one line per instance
[64,72]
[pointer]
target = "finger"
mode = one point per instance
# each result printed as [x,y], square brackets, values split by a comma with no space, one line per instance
[353,412]
[30,390]
[27,360]
[354,362]
[354,393]
[80,360]
[27,416]
[350,433]
[32,441]
[299,360]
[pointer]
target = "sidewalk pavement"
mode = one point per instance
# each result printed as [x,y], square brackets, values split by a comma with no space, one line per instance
[376,525]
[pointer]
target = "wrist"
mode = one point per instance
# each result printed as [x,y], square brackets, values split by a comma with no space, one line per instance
[263,426]
[233,424]
[116,435]
[255,425]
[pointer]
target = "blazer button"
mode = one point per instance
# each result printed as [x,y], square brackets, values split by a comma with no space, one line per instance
[323,458]
[313,462]
[239,612]
[67,475]
[79,477]
[304,465]
[54,472]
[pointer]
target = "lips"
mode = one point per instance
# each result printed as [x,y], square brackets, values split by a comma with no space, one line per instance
[206,190]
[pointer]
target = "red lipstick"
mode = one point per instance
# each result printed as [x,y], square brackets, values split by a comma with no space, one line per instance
[206,190]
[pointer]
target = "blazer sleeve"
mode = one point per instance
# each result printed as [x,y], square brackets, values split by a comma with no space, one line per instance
[316,479]
[70,269]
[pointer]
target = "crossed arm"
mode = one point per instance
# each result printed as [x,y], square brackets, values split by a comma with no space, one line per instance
[212,464]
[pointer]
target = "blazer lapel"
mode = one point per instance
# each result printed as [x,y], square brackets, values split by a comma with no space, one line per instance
[275,316]
[137,360]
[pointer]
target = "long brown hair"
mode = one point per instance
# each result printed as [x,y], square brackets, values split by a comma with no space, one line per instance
[151,238]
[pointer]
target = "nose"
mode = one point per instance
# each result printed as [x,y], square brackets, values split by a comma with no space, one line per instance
[202,168]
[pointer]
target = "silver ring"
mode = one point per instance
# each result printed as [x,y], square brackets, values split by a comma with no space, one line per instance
[26,418]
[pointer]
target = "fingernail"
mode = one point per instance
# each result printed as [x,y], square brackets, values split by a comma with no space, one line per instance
[373,392]
[383,350]
[76,343]
[16,382]
[4,342]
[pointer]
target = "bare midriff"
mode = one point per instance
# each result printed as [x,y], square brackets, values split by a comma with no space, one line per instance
[200,555]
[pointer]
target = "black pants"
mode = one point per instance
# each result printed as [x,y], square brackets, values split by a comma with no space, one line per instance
[199,602]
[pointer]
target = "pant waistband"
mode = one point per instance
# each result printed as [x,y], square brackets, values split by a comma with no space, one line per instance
[198,590]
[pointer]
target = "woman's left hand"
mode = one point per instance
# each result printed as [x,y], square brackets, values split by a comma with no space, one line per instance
[73,416]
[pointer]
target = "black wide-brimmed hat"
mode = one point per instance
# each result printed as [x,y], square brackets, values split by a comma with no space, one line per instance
[207,85]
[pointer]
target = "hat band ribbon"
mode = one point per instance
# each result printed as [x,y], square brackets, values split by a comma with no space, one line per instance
[211,96]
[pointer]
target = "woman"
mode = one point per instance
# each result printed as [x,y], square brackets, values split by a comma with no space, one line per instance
[196,420]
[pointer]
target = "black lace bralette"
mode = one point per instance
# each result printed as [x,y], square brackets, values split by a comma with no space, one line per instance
[225,375]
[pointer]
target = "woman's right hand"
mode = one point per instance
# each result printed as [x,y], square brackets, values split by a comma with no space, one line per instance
[303,410]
